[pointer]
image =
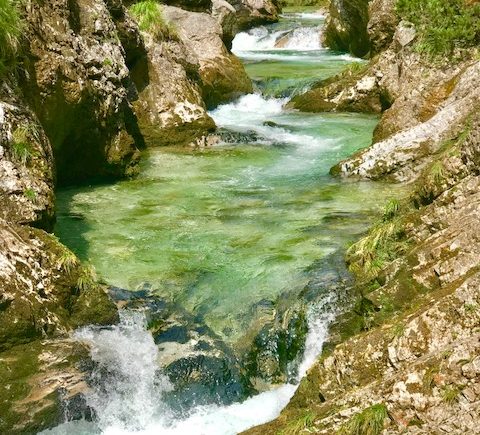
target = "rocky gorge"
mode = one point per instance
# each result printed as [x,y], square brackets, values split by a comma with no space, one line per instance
[99,82]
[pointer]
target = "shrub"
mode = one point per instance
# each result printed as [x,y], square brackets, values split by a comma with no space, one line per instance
[11,27]
[370,421]
[148,14]
[442,25]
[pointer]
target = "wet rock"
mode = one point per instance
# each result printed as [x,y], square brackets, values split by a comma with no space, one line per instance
[202,368]
[42,294]
[42,385]
[278,345]
[248,14]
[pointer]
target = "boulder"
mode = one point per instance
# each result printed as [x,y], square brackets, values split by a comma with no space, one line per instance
[346,27]
[222,75]
[235,16]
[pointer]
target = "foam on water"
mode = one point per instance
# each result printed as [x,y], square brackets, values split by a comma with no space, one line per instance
[261,39]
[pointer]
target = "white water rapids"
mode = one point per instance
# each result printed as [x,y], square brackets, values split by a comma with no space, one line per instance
[130,401]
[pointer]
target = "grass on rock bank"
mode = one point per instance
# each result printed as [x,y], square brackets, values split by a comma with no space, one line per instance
[148,14]
[11,26]
[443,26]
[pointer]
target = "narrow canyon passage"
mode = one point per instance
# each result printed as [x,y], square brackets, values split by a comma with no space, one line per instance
[223,231]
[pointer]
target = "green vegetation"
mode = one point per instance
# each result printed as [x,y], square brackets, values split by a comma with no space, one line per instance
[370,421]
[87,278]
[442,25]
[298,425]
[384,243]
[21,147]
[148,13]
[450,394]
[30,194]
[67,262]
[11,27]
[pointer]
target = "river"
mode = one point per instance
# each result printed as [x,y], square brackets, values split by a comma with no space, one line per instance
[221,229]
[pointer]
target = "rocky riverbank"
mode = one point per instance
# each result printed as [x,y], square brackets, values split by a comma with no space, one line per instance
[85,86]
[405,358]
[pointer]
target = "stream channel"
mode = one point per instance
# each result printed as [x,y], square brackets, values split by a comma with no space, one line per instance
[221,232]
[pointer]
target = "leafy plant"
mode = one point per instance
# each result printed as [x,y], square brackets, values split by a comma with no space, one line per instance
[11,27]
[442,25]
[148,13]
[370,421]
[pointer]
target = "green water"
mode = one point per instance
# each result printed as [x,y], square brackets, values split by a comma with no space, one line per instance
[221,229]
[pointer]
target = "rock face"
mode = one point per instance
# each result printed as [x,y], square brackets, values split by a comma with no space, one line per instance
[223,77]
[346,27]
[75,79]
[26,165]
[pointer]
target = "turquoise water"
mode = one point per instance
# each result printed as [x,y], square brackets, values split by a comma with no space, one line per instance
[221,229]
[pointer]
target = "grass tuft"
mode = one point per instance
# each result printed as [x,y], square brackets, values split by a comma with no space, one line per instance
[295,427]
[370,421]
[21,146]
[450,394]
[87,278]
[148,14]
[68,262]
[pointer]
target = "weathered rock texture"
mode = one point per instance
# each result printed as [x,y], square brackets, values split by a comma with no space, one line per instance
[75,77]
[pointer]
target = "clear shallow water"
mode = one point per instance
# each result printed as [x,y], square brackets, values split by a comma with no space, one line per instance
[221,229]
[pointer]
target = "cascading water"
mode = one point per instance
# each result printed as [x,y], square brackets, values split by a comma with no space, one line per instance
[237,224]
[127,387]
